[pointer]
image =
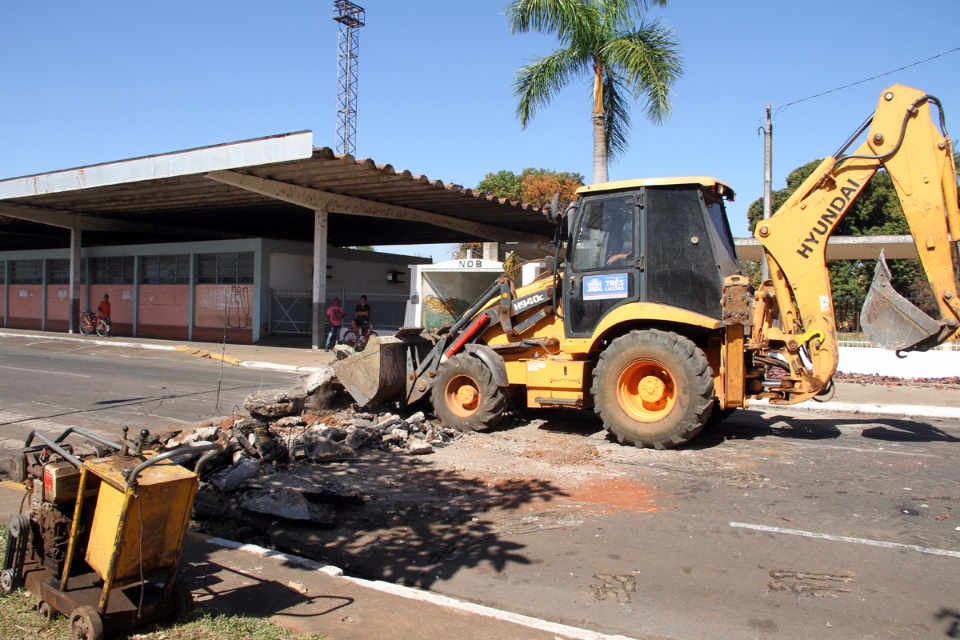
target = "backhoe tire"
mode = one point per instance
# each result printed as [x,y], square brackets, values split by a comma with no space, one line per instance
[653,388]
[718,415]
[465,397]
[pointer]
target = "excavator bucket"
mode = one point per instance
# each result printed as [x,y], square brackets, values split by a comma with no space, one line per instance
[379,372]
[890,320]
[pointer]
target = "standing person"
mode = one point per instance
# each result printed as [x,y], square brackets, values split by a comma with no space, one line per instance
[361,315]
[103,310]
[335,315]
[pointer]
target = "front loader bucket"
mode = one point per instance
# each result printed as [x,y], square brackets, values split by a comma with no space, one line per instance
[376,374]
[891,321]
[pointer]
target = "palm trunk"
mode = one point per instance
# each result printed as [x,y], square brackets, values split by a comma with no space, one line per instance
[599,149]
[599,127]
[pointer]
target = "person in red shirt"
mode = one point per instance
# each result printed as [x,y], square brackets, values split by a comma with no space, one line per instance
[103,310]
[335,315]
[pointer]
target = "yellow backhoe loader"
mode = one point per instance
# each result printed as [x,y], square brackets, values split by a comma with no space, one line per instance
[649,319]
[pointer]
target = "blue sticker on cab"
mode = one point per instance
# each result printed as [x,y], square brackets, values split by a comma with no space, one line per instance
[605,287]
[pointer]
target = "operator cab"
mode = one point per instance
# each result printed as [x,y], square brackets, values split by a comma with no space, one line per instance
[663,241]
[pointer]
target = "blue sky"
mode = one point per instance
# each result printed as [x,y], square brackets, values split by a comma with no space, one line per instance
[106,80]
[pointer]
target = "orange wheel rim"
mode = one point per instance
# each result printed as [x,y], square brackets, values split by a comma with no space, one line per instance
[463,396]
[646,391]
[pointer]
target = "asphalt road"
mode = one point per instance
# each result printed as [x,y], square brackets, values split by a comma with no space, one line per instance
[52,385]
[771,526]
[787,526]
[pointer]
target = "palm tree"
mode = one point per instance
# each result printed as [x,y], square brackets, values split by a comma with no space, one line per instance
[609,38]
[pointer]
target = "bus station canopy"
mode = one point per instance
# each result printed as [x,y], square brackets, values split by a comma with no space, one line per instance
[266,187]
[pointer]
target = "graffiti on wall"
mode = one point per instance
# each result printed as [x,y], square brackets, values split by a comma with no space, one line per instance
[236,308]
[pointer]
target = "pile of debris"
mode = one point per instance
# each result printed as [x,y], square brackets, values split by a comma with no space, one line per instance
[314,422]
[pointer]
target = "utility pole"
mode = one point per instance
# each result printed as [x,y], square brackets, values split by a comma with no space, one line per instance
[351,17]
[767,185]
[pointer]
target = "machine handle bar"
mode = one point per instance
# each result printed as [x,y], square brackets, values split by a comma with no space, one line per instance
[212,448]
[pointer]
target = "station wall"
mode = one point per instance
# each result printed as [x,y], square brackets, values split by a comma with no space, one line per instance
[181,291]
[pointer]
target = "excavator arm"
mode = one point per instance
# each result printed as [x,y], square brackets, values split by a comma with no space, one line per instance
[918,156]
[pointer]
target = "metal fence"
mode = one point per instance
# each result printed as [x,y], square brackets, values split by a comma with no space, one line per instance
[386,309]
[291,310]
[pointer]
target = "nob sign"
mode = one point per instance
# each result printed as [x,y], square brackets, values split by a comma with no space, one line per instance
[470,264]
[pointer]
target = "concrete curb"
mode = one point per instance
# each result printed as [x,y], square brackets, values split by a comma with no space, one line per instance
[890,410]
[253,364]
[186,349]
[105,342]
[412,593]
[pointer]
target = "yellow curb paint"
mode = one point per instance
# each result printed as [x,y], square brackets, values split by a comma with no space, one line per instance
[206,354]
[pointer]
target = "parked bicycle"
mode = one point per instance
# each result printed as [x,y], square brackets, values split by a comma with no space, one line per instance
[358,342]
[91,322]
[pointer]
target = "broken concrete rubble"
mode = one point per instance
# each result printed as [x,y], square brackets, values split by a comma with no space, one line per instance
[321,449]
[258,480]
[232,477]
[275,403]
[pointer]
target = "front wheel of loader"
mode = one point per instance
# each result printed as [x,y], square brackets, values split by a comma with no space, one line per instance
[653,388]
[465,396]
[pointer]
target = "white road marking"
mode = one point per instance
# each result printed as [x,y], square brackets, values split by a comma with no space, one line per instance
[46,371]
[866,541]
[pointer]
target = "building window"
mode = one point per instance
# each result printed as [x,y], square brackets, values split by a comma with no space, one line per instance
[165,269]
[225,268]
[26,272]
[58,271]
[117,270]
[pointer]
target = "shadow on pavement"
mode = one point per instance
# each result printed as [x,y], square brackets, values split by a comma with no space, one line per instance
[242,592]
[907,431]
[749,425]
[402,520]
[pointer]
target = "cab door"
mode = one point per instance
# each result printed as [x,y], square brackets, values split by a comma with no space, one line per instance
[604,261]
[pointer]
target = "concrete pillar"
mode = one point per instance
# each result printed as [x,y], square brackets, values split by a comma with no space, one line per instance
[75,246]
[192,304]
[320,219]
[491,251]
[137,267]
[45,269]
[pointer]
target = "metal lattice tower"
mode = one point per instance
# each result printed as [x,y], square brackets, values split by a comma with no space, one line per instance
[351,18]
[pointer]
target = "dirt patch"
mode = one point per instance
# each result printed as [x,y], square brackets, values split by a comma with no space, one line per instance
[608,495]
[575,453]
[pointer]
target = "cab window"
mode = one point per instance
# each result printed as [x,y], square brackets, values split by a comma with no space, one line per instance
[604,236]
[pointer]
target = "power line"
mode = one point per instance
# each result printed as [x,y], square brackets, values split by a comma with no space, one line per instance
[853,84]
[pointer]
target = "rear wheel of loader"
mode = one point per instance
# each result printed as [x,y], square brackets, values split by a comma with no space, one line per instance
[653,388]
[465,397]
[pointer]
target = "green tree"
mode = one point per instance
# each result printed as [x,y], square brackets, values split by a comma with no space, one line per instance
[503,184]
[531,186]
[876,211]
[609,42]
